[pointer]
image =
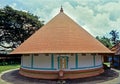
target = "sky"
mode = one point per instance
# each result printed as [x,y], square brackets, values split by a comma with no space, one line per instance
[98,17]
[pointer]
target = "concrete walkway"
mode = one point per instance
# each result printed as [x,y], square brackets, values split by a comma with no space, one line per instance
[12,77]
[5,82]
[114,81]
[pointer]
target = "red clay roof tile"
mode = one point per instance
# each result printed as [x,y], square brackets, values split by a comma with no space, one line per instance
[61,35]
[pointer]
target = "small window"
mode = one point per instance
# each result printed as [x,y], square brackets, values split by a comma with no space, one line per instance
[93,54]
[35,54]
[47,54]
[72,54]
[26,55]
[83,54]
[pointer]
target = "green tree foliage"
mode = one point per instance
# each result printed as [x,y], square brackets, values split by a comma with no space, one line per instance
[111,41]
[114,36]
[105,41]
[16,26]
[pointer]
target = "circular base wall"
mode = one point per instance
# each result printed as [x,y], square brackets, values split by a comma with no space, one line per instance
[61,74]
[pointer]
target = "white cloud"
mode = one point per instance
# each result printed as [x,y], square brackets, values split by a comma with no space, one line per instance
[96,16]
[13,5]
[98,20]
[107,18]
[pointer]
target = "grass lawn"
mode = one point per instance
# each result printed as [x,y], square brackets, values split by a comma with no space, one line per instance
[8,67]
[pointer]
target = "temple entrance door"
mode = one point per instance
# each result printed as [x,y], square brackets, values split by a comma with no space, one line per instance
[63,62]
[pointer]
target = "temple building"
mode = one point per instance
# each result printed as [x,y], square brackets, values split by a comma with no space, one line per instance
[61,49]
[115,59]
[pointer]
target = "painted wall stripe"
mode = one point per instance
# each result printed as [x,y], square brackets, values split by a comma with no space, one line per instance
[52,61]
[39,68]
[88,67]
[101,59]
[32,60]
[94,60]
[58,59]
[67,58]
[21,60]
[76,60]
[97,66]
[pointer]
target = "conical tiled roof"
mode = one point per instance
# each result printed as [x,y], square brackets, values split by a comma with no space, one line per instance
[61,35]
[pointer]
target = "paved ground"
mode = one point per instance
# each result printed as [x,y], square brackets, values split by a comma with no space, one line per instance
[113,81]
[108,77]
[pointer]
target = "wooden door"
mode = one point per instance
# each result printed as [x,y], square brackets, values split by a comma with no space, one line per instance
[63,62]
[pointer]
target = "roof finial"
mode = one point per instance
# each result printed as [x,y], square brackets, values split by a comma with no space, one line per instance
[61,10]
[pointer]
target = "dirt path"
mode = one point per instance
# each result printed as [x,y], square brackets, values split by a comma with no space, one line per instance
[13,77]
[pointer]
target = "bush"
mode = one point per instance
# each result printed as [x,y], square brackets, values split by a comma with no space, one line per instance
[105,67]
[2,63]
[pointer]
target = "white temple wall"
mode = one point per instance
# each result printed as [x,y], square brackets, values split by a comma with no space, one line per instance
[42,61]
[56,61]
[71,61]
[85,60]
[26,60]
[98,60]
